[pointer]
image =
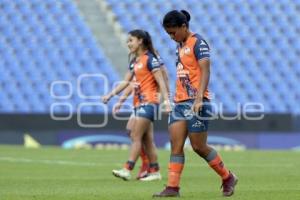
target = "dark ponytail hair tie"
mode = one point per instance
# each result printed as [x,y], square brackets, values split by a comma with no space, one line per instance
[176,18]
[186,14]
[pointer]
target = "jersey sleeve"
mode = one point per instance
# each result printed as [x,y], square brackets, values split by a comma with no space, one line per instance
[153,63]
[161,61]
[201,49]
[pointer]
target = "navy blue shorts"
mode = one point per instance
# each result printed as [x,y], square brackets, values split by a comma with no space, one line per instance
[196,122]
[148,111]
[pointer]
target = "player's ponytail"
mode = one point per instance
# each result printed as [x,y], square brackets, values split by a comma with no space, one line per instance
[149,44]
[176,18]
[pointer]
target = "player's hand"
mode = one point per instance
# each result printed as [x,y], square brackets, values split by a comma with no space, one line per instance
[117,107]
[197,106]
[106,98]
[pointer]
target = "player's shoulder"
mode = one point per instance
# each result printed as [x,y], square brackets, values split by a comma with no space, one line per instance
[200,40]
[150,55]
[201,48]
[153,60]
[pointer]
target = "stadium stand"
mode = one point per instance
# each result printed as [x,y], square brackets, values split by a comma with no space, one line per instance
[44,41]
[254,46]
[255,51]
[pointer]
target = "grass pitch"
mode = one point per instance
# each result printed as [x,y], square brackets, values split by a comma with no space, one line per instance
[56,174]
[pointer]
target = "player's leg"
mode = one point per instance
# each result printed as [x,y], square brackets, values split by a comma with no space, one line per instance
[144,158]
[199,145]
[197,128]
[144,168]
[178,134]
[130,123]
[140,126]
[151,150]
[123,173]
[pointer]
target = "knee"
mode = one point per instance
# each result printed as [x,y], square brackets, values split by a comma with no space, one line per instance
[176,150]
[135,137]
[149,145]
[201,150]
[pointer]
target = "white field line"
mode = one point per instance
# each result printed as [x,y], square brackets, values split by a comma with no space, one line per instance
[50,162]
[92,164]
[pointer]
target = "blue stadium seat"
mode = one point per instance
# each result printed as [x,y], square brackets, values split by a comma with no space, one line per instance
[251,42]
[254,44]
[42,41]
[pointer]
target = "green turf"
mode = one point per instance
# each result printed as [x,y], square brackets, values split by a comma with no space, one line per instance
[53,173]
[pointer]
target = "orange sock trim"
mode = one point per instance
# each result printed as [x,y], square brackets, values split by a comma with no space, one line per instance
[175,170]
[218,165]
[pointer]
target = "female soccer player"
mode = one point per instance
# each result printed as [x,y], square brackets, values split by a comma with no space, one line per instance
[144,168]
[192,107]
[145,69]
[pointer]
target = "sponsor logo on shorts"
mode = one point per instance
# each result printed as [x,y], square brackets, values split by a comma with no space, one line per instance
[197,124]
[141,111]
[188,113]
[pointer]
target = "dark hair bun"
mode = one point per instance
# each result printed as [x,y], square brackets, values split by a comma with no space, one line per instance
[186,14]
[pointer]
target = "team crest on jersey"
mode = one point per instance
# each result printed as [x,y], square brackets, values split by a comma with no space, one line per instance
[185,51]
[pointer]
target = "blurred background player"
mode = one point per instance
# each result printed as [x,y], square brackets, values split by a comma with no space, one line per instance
[144,168]
[145,69]
[192,109]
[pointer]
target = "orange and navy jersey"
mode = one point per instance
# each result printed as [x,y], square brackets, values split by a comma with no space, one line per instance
[188,69]
[145,85]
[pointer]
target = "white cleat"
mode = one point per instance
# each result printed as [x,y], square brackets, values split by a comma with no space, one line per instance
[122,173]
[152,177]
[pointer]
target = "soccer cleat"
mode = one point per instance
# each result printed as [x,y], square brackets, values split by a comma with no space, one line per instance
[122,173]
[143,172]
[229,184]
[168,192]
[154,176]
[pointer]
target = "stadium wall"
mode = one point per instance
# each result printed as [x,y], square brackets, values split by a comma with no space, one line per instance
[279,131]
